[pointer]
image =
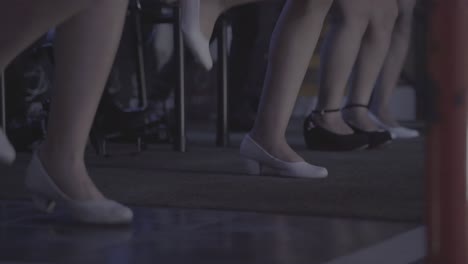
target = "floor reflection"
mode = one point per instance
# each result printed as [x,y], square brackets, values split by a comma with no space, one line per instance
[184,236]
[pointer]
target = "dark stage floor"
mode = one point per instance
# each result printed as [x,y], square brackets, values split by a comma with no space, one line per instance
[200,207]
[197,236]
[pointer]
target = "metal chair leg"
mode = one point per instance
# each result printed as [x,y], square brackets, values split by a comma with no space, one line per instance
[143,96]
[222,137]
[3,100]
[180,143]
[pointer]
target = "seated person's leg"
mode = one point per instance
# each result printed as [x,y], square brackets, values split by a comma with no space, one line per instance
[339,54]
[87,41]
[325,128]
[374,49]
[198,21]
[292,46]
[391,72]
[17,33]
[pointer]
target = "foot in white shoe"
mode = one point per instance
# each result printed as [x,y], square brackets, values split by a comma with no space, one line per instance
[198,44]
[396,131]
[46,195]
[260,162]
[7,152]
[403,132]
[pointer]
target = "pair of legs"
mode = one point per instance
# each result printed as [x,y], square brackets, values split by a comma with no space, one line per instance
[359,37]
[87,39]
[394,63]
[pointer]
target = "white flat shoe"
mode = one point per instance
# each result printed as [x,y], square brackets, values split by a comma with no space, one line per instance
[46,195]
[403,132]
[260,162]
[7,152]
[198,44]
[397,132]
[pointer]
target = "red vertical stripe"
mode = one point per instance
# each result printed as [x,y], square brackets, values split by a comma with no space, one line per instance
[447,139]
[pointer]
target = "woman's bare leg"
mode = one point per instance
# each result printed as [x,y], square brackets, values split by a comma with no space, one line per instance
[24,21]
[394,63]
[85,49]
[374,49]
[292,46]
[338,58]
[21,23]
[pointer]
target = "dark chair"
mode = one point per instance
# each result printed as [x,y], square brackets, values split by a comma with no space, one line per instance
[150,11]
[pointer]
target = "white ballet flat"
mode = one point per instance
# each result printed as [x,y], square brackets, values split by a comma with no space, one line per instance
[198,44]
[260,162]
[403,132]
[396,132]
[46,195]
[7,152]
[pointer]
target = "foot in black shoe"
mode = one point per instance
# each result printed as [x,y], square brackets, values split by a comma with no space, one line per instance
[318,138]
[376,138]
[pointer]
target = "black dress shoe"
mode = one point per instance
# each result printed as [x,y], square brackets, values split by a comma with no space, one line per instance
[376,138]
[321,139]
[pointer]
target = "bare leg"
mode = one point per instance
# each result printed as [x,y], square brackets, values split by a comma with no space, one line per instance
[85,48]
[198,21]
[373,52]
[394,63]
[338,58]
[292,46]
[17,33]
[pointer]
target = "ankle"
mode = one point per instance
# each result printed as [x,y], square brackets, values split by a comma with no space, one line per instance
[355,113]
[64,158]
[382,112]
[323,118]
[267,141]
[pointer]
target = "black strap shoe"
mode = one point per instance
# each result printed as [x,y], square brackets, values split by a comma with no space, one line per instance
[321,139]
[376,138]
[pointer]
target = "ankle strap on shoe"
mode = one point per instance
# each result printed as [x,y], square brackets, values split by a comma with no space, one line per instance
[325,111]
[348,106]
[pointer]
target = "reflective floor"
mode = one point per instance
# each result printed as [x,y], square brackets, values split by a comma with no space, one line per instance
[192,236]
[185,236]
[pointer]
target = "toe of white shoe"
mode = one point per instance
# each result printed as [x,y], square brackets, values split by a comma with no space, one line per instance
[404,133]
[323,173]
